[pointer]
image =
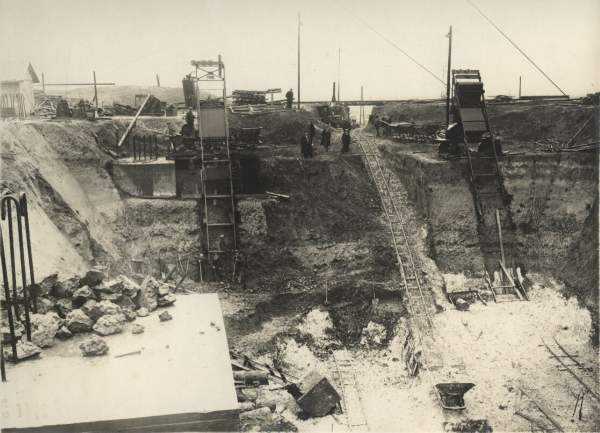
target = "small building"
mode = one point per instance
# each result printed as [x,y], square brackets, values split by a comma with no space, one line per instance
[16,98]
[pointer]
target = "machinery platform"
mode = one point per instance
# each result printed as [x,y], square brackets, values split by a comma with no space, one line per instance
[174,377]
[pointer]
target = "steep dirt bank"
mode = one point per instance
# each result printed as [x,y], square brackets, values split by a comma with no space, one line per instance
[553,207]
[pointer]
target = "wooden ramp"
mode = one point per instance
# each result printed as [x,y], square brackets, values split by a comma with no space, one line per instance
[180,381]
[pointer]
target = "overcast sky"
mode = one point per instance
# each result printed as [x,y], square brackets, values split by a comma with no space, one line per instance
[129,41]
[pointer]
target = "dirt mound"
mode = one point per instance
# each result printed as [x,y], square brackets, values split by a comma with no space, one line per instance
[284,127]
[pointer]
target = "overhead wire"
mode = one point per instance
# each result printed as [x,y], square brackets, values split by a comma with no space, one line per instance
[393,44]
[516,46]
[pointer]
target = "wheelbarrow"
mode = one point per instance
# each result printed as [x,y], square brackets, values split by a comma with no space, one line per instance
[452,394]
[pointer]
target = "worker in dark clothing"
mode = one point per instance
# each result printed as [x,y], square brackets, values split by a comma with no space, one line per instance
[187,130]
[289,96]
[346,141]
[306,146]
[326,138]
[311,132]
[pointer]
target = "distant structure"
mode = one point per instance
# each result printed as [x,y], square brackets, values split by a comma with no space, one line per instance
[17,96]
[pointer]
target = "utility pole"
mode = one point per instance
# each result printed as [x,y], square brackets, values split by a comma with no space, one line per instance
[157,81]
[362,107]
[339,79]
[299,23]
[43,83]
[519,86]
[95,95]
[448,77]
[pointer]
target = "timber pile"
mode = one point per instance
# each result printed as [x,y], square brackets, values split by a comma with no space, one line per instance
[154,106]
[243,97]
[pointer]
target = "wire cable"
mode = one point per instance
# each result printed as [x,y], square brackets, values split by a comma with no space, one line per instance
[393,44]
[516,46]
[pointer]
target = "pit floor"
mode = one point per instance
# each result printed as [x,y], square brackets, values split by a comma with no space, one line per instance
[184,367]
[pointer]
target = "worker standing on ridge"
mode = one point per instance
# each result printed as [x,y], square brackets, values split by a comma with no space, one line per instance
[289,96]
[326,138]
[311,132]
[187,130]
[346,141]
[306,146]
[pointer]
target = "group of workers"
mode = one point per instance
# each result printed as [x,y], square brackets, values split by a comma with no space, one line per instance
[306,141]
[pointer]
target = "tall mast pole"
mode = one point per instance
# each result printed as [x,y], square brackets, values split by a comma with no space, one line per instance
[95,96]
[448,77]
[339,75]
[298,61]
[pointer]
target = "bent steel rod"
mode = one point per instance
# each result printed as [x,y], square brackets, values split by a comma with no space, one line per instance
[7,297]
[25,216]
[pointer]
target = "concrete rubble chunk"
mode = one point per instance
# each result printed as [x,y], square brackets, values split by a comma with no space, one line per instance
[63,333]
[142,312]
[147,295]
[130,287]
[167,300]
[78,321]
[47,284]
[93,346]
[318,397]
[125,302]
[108,325]
[164,316]
[44,304]
[261,412]
[112,297]
[137,328]
[103,308]
[163,290]
[44,328]
[63,307]
[66,288]
[25,350]
[92,278]
[82,295]
[130,315]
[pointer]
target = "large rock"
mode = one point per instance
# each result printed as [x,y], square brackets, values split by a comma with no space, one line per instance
[112,297]
[164,316]
[44,328]
[142,312]
[47,284]
[66,288]
[44,304]
[130,315]
[165,301]
[102,308]
[137,328]
[78,321]
[92,278]
[64,333]
[63,307]
[94,346]
[125,302]
[108,325]
[148,294]
[122,285]
[25,350]
[163,289]
[82,295]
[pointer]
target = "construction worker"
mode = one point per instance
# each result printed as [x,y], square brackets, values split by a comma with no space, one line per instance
[326,138]
[346,141]
[289,96]
[187,130]
[311,132]
[306,146]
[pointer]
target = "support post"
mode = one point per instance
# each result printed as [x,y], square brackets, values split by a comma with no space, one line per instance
[43,83]
[500,237]
[362,107]
[339,73]
[519,87]
[157,81]
[448,77]
[299,23]
[95,96]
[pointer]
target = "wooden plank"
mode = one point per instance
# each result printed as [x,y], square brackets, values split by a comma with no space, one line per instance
[128,130]
[511,281]
[543,409]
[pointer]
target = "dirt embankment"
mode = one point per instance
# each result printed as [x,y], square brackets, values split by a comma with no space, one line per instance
[518,126]
[553,206]
[284,127]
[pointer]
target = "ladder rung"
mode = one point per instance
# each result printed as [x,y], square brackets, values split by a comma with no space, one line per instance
[485,174]
[216,251]
[216,161]
[219,224]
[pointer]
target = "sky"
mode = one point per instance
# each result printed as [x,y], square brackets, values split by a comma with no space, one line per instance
[129,41]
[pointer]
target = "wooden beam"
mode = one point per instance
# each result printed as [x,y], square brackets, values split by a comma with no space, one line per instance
[541,407]
[128,130]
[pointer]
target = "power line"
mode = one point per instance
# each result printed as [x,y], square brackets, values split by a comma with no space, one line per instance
[392,43]
[516,46]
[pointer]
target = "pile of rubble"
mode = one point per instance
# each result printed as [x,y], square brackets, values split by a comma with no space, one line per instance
[91,303]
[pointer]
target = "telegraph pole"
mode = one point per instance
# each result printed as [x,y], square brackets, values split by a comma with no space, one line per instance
[519,87]
[95,95]
[448,77]
[362,107]
[299,23]
[339,79]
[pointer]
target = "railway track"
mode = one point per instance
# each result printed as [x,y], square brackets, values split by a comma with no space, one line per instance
[392,193]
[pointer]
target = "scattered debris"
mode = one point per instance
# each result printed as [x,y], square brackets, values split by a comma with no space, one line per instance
[164,316]
[78,321]
[452,393]
[109,325]
[318,397]
[137,328]
[94,346]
